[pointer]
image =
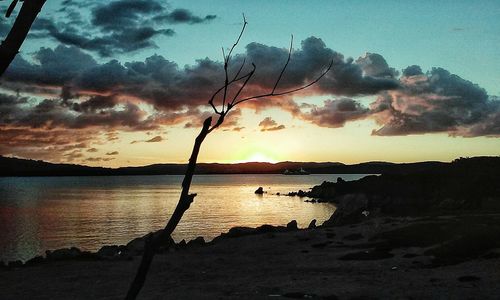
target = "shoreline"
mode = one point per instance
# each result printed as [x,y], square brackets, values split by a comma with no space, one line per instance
[380,258]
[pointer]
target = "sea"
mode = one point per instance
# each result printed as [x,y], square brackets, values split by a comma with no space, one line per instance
[46,213]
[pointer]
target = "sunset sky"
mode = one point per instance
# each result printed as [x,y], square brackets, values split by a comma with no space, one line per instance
[126,82]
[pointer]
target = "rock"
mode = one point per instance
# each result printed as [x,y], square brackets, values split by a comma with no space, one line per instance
[182,244]
[108,252]
[301,193]
[35,261]
[199,241]
[340,180]
[15,264]
[259,191]
[292,225]
[240,231]
[266,228]
[349,210]
[312,225]
[136,246]
[2,264]
[63,254]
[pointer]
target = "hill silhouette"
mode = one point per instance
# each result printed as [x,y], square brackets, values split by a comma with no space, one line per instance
[25,167]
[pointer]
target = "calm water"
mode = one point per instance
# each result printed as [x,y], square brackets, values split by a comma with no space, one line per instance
[40,213]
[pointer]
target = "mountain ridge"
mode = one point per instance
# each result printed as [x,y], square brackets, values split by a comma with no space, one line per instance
[26,167]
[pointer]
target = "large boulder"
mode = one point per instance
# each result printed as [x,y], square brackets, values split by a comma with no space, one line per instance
[351,208]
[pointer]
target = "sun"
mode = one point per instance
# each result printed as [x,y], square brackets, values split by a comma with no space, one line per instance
[259,157]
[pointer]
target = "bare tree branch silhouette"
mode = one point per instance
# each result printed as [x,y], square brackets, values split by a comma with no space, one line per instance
[17,34]
[154,241]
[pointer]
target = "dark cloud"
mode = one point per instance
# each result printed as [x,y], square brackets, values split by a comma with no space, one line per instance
[112,153]
[181,15]
[436,102]
[269,124]
[92,150]
[120,26]
[335,113]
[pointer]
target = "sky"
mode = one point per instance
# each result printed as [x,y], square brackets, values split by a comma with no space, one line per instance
[127,82]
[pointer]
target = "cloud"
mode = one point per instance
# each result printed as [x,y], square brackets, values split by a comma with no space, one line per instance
[437,101]
[92,150]
[335,113]
[181,15]
[99,159]
[113,27]
[269,124]
[112,153]
[155,139]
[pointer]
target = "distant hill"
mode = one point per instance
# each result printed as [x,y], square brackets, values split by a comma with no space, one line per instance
[26,167]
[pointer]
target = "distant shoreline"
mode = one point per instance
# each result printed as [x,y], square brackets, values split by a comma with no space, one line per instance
[15,167]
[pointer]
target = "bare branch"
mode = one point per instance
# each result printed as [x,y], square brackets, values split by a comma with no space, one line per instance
[241,68]
[249,76]
[284,67]
[238,39]
[11,8]
[289,91]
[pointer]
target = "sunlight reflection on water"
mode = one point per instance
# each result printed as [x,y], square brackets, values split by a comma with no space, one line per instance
[43,213]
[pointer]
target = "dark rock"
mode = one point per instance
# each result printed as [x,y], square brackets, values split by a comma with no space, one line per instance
[35,261]
[182,243]
[312,225]
[301,193]
[292,225]
[87,255]
[259,191]
[266,228]
[63,254]
[199,241]
[15,264]
[108,252]
[240,231]
[349,210]
[136,246]
[2,264]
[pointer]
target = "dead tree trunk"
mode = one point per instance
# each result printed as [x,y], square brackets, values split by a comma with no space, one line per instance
[155,241]
[240,82]
[10,46]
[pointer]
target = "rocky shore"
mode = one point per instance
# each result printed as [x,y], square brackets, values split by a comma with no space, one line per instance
[407,236]
[439,257]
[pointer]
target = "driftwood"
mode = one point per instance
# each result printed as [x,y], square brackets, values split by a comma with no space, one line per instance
[154,242]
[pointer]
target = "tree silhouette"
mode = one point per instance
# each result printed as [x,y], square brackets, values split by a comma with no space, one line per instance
[237,82]
[17,34]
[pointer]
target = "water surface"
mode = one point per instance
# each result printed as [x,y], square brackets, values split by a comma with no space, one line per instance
[40,213]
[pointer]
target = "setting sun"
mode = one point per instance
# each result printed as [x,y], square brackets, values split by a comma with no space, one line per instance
[259,157]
